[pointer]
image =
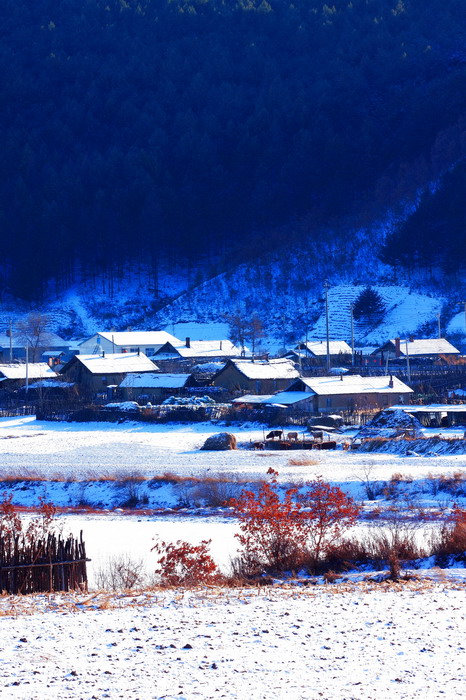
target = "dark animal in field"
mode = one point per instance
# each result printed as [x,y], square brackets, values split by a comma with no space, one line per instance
[274,434]
[258,445]
[292,436]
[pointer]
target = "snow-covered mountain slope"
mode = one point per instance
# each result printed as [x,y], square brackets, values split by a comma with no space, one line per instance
[406,311]
[284,288]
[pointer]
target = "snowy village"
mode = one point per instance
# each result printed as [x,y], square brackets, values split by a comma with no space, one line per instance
[232,350]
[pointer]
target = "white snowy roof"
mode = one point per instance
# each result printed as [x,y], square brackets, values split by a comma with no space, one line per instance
[426,346]
[51,384]
[263,369]
[36,370]
[202,348]
[430,408]
[355,384]
[117,363]
[288,398]
[150,380]
[319,348]
[254,398]
[136,338]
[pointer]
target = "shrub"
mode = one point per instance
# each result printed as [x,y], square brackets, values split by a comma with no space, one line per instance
[121,572]
[451,539]
[283,533]
[184,564]
[12,526]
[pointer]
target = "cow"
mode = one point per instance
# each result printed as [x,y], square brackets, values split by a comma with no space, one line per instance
[274,434]
[258,445]
[292,436]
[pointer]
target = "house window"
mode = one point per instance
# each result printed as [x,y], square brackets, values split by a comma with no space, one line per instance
[133,349]
[329,402]
[150,351]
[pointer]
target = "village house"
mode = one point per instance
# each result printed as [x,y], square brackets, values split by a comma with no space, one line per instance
[152,387]
[345,393]
[148,342]
[15,349]
[258,377]
[317,349]
[191,351]
[100,373]
[420,349]
[16,375]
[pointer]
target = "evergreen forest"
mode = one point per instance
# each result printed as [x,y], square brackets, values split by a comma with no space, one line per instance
[133,129]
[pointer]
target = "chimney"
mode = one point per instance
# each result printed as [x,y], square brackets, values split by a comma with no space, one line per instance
[188,342]
[341,377]
[139,351]
[390,383]
[397,347]
[103,353]
[220,345]
[411,339]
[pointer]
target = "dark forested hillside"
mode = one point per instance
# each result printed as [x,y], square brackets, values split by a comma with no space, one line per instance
[130,128]
[435,234]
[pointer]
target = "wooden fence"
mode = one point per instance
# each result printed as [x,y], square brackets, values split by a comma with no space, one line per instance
[37,566]
[13,411]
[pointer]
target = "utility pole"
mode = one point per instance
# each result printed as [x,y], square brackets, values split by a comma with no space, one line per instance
[407,362]
[27,368]
[326,286]
[438,322]
[11,340]
[352,334]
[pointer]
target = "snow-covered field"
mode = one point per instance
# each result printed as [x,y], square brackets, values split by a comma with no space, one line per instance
[99,449]
[358,641]
[303,644]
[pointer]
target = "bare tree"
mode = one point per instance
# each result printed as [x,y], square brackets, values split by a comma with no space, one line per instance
[245,329]
[238,325]
[33,332]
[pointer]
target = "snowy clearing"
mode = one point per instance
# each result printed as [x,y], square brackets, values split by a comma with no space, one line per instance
[97,449]
[396,641]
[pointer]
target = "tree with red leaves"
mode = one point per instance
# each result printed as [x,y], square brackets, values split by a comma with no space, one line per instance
[285,531]
[183,564]
[328,513]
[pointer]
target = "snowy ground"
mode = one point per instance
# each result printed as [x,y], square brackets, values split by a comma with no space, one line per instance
[307,644]
[357,641]
[84,465]
[99,449]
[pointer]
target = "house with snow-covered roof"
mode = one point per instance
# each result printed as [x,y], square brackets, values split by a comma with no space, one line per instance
[416,348]
[148,342]
[256,377]
[151,386]
[15,346]
[344,393]
[198,350]
[318,348]
[15,375]
[96,373]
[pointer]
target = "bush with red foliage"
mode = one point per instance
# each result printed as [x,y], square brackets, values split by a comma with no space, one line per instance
[451,540]
[12,526]
[183,564]
[283,532]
